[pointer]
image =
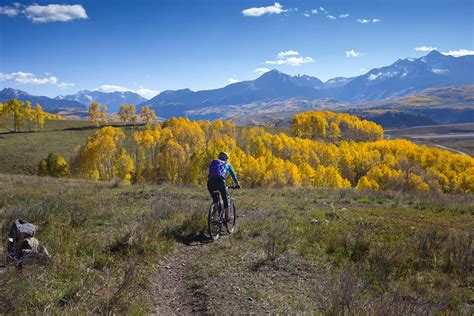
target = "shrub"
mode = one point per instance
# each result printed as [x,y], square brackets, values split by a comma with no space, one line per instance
[53,166]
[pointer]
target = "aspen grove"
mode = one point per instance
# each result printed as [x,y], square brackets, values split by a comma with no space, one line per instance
[326,150]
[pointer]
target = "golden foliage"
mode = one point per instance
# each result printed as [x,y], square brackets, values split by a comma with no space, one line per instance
[179,152]
[20,112]
[332,126]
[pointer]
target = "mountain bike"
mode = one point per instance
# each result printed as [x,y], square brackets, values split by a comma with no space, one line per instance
[216,217]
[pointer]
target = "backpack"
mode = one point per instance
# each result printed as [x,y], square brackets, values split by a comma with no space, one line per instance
[217,169]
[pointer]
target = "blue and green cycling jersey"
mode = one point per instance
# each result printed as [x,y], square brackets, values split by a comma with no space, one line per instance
[227,167]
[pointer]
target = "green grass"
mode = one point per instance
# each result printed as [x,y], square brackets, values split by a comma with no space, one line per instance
[343,252]
[104,240]
[295,249]
[21,152]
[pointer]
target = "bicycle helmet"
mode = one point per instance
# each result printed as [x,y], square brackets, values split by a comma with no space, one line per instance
[223,156]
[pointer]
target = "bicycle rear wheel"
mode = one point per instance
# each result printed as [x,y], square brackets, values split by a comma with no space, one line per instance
[214,224]
[230,224]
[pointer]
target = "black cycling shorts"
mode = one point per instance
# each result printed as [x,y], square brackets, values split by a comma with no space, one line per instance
[216,184]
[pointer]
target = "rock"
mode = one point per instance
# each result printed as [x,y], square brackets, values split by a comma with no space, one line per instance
[315,221]
[344,209]
[22,246]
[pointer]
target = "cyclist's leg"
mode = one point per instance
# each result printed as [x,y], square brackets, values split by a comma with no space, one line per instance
[211,187]
[223,190]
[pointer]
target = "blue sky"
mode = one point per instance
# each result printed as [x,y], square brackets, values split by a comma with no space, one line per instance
[52,48]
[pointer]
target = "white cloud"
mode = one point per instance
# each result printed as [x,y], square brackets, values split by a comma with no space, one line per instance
[344,15]
[459,52]
[291,58]
[46,13]
[306,14]
[261,71]
[331,17]
[232,80]
[144,92]
[365,21]
[65,85]
[353,54]
[292,61]
[54,12]
[322,9]
[276,8]
[314,11]
[10,11]
[147,93]
[425,48]
[27,78]
[288,53]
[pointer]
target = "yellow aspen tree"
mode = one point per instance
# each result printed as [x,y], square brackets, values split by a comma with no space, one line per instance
[94,113]
[123,113]
[103,115]
[39,117]
[132,116]
[29,114]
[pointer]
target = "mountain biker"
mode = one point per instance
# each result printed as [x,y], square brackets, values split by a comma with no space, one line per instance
[216,179]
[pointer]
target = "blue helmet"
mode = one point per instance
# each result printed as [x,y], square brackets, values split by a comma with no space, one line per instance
[223,156]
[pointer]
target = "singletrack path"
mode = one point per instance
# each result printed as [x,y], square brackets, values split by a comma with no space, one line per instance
[172,290]
[172,293]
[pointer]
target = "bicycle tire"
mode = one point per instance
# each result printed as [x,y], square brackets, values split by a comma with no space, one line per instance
[214,224]
[231,223]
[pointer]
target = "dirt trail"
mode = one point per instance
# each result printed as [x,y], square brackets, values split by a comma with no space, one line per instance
[171,291]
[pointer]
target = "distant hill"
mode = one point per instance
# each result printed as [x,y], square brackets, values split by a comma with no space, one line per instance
[402,78]
[113,100]
[430,107]
[48,104]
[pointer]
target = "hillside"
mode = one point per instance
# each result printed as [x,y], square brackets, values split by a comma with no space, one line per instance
[134,249]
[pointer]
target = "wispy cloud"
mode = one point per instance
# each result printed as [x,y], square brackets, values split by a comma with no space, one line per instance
[233,80]
[353,54]
[10,11]
[425,48]
[27,78]
[261,71]
[144,92]
[345,15]
[65,85]
[276,8]
[322,9]
[306,14]
[291,57]
[314,11]
[46,13]
[331,17]
[459,52]
[288,53]
[365,21]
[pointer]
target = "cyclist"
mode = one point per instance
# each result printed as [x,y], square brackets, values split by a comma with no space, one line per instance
[216,179]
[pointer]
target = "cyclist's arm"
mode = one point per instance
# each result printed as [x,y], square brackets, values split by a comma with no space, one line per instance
[232,174]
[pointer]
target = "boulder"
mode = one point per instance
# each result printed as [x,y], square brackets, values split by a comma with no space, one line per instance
[22,246]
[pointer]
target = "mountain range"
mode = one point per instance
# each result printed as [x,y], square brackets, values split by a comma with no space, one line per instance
[402,78]
[113,100]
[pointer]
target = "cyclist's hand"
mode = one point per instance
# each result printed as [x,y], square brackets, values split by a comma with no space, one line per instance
[237,186]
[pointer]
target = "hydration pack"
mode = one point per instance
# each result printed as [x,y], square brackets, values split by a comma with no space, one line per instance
[217,169]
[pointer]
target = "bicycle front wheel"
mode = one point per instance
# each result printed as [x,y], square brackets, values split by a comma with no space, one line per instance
[214,224]
[230,224]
